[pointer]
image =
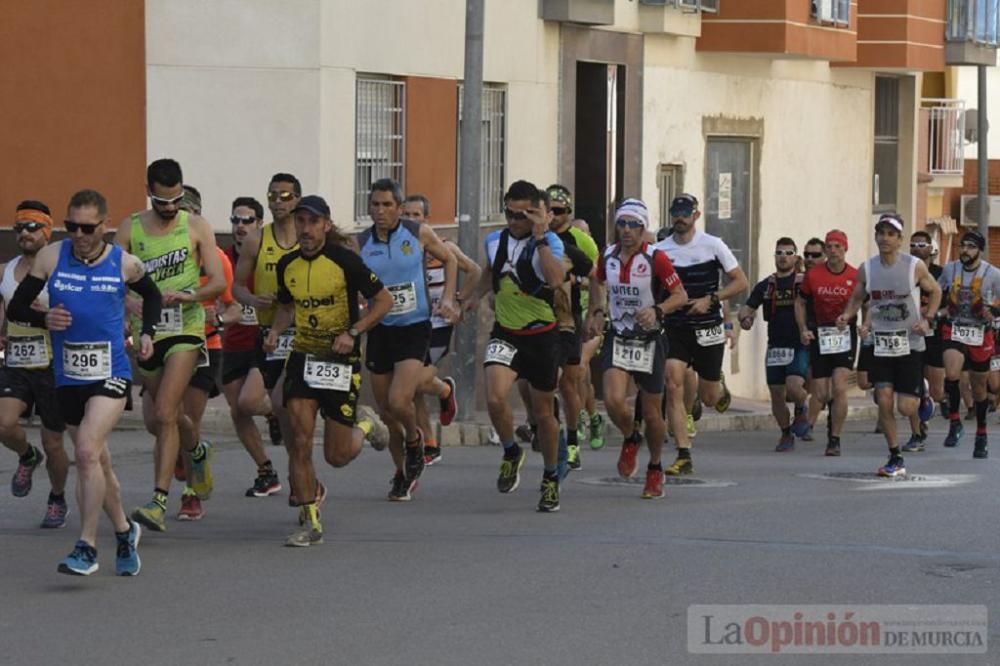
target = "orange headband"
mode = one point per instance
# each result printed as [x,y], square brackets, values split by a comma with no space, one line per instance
[31,215]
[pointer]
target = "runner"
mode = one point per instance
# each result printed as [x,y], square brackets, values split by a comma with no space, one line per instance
[894,281]
[396,351]
[695,334]
[173,244]
[523,268]
[823,294]
[26,380]
[642,289]
[813,254]
[417,207]
[971,289]
[318,289]
[92,371]
[786,360]
[591,423]
[242,382]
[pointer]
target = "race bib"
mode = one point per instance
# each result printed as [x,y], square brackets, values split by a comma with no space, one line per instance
[633,355]
[498,351]
[284,346]
[709,337]
[995,363]
[967,335]
[327,375]
[171,319]
[437,321]
[892,343]
[87,361]
[832,340]
[248,315]
[779,356]
[404,298]
[27,351]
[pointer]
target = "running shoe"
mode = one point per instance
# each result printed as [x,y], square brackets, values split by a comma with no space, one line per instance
[597,431]
[379,436]
[800,426]
[55,514]
[402,489]
[786,443]
[274,430]
[943,409]
[432,454]
[894,468]
[293,501]
[654,484]
[523,432]
[627,458]
[305,537]
[190,506]
[692,430]
[510,471]
[914,445]
[581,425]
[413,464]
[179,473]
[926,409]
[549,502]
[981,449]
[201,472]
[127,562]
[727,398]
[573,457]
[20,484]
[808,435]
[679,467]
[264,485]
[81,562]
[449,405]
[152,515]
[697,408]
[955,432]
[832,447]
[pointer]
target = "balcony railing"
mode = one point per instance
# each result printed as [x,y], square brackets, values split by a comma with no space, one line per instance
[945,124]
[976,21]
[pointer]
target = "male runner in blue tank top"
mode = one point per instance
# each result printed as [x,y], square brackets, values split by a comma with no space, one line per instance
[87,279]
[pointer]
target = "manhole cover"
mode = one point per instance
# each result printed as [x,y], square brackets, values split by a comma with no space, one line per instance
[673,481]
[874,480]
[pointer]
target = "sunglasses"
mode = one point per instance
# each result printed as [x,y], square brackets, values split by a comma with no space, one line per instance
[512,214]
[559,211]
[812,255]
[160,201]
[30,227]
[784,253]
[236,219]
[919,246]
[631,224]
[280,196]
[88,229]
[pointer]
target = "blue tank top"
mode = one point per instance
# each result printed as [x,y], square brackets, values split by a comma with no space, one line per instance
[92,349]
[399,263]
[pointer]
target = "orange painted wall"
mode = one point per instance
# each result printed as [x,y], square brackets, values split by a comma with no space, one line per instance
[73,111]
[432,143]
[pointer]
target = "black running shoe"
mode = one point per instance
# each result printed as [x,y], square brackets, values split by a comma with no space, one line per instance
[274,430]
[414,463]
[981,449]
[510,471]
[401,488]
[549,501]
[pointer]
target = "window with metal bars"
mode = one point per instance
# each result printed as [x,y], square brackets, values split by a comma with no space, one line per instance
[494,157]
[670,181]
[379,136]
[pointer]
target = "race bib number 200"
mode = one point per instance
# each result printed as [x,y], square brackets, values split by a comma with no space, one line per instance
[709,337]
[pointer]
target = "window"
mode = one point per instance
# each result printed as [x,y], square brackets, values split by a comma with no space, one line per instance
[886,143]
[670,181]
[837,12]
[378,136]
[974,21]
[494,144]
[696,5]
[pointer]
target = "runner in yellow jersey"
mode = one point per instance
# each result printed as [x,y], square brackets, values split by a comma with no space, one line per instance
[173,244]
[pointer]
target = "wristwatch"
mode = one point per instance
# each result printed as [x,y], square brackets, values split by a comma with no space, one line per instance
[218,321]
[353,332]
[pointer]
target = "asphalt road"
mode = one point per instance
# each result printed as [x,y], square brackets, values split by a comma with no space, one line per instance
[464,575]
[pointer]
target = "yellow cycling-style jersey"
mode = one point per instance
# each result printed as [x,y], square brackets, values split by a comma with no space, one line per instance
[265,280]
[324,289]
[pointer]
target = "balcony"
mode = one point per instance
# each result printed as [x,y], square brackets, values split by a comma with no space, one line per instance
[902,35]
[674,17]
[587,12]
[942,142]
[973,32]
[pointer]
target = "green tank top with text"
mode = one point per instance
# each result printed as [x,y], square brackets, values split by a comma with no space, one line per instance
[170,262]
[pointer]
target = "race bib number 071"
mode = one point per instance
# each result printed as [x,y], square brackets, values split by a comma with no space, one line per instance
[967,335]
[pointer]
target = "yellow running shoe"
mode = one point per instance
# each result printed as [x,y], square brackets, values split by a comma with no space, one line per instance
[692,430]
[152,515]
[201,481]
[679,467]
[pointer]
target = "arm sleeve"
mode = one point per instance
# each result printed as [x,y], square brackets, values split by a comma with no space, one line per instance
[152,303]
[284,296]
[757,295]
[19,309]
[581,264]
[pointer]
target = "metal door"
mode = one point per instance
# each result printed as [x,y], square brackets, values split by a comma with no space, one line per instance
[728,205]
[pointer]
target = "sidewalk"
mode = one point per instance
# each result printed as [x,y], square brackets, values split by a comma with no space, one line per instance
[743,415]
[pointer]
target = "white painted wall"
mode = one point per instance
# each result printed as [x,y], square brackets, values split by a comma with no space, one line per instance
[968,89]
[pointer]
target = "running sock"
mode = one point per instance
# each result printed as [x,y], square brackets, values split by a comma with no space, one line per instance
[982,407]
[511,452]
[684,453]
[894,452]
[786,431]
[551,472]
[198,453]
[59,499]
[267,469]
[312,516]
[29,456]
[954,398]
[571,437]
[656,467]
[508,446]
[365,426]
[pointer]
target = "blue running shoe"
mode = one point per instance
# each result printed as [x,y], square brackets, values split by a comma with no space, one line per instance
[800,426]
[127,562]
[926,410]
[915,444]
[81,562]
[894,468]
[955,432]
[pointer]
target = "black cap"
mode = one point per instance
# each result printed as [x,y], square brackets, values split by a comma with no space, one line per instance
[974,237]
[315,204]
[683,205]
